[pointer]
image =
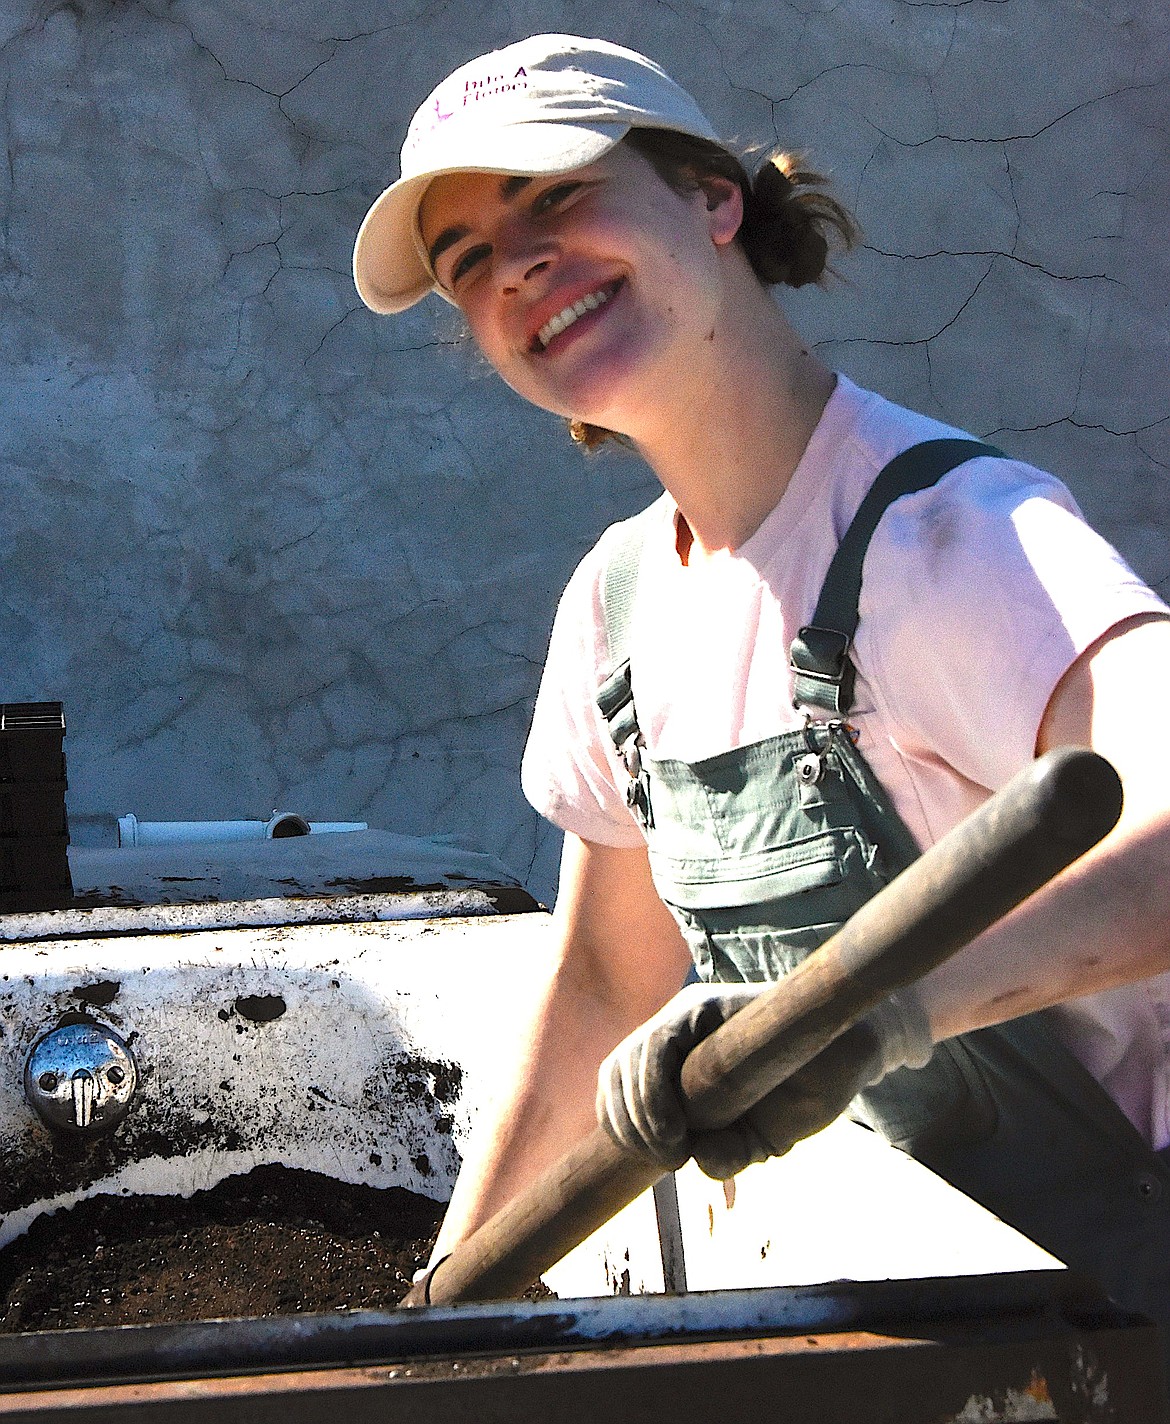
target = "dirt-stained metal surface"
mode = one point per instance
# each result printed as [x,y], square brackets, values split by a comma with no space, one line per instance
[324,1047]
[391,1033]
[111,916]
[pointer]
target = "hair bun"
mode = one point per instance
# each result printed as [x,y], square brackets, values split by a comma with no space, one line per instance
[791,223]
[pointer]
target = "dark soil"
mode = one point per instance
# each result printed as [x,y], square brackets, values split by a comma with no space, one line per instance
[272,1243]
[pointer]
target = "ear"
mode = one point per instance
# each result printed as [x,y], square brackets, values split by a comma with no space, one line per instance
[724,202]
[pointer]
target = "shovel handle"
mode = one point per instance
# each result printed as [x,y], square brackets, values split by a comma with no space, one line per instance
[1048,815]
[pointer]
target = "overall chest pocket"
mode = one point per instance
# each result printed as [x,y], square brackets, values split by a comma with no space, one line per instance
[762,852]
[755,917]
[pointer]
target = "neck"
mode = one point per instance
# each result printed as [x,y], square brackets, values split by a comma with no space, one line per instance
[727,441]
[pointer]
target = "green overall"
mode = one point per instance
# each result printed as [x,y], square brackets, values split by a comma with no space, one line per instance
[763,851]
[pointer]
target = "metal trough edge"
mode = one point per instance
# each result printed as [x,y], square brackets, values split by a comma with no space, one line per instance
[1009,1304]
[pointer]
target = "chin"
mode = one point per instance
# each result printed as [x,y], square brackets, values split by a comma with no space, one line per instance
[604,398]
[604,383]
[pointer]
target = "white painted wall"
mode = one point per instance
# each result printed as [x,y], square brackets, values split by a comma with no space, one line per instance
[272,550]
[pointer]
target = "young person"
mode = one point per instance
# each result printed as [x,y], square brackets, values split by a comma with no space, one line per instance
[743,738]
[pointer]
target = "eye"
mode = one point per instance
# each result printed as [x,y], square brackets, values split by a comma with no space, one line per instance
[467,261]
[553,197]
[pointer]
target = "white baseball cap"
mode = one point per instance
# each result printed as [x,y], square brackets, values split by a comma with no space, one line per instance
[544,105]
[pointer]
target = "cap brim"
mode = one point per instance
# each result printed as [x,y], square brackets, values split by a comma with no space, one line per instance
[389,267]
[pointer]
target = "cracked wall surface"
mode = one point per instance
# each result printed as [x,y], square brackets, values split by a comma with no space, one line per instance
[271,550]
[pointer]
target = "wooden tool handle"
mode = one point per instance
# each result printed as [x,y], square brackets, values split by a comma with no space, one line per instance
[1046,817]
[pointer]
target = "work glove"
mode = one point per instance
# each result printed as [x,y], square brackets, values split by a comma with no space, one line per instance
[639,1098]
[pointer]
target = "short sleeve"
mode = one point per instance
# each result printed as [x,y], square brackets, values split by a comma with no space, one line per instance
[978,595]
[570,768]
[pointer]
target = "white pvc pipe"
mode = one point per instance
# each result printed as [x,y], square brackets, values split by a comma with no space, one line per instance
[133,832]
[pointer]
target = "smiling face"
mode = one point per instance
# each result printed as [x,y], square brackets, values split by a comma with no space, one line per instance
[585,290]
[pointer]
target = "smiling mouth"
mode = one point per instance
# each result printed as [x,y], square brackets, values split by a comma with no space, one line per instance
[570,314]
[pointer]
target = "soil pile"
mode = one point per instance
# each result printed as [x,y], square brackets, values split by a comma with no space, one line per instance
[274,1242]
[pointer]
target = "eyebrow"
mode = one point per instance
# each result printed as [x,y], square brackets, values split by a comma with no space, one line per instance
[451,235]
[511,186]
[447,238]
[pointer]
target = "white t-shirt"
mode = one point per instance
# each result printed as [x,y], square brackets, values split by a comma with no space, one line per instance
[978,594]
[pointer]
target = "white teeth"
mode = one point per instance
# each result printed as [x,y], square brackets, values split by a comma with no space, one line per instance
[556,324]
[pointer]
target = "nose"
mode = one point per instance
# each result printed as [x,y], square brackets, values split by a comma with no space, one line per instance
[522,254]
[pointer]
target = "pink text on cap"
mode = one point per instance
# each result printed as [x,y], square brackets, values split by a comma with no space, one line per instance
[452,97]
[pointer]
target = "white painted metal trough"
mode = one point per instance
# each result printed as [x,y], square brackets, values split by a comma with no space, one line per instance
[363,1050]
[359,1037]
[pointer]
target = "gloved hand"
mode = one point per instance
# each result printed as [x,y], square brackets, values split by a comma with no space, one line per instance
[639,1100]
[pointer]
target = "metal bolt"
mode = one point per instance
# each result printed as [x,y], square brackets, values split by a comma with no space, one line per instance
[808,769]
[47,1082]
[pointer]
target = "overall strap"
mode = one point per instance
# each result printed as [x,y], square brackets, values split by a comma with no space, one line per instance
[819,655]
[615,697]
[620,586]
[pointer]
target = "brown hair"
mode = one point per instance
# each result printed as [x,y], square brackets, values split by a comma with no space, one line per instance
[791,223]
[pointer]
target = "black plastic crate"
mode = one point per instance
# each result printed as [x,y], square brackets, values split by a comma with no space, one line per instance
[27,902]
[31,734]
[28,862]
[33,808]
